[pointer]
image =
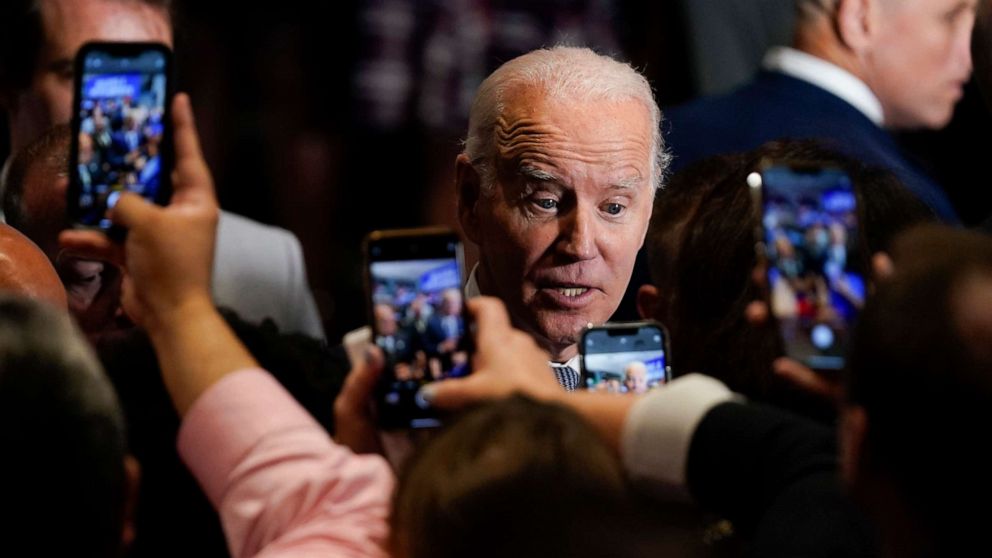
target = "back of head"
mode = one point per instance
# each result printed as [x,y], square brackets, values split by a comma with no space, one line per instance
[62,473]
[26,271]
[921,367]
[33,186]
[515,478]
[561,74]
[701,251]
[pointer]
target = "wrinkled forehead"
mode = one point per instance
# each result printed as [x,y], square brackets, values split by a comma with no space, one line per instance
[537,129]
[68,24]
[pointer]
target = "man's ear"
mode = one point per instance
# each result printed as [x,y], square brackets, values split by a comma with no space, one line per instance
[648,301]
[855,22]
[853,433]
[468,189]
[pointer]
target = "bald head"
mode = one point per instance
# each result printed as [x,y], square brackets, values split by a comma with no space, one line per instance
[25,270]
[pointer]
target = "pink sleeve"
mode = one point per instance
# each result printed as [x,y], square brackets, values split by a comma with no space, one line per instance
[281,485]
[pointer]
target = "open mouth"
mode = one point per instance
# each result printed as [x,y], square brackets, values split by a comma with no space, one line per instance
[572,292]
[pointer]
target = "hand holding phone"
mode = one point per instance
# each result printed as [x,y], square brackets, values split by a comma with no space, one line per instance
[630,357]
[415,280]
[121,129]
[809,238]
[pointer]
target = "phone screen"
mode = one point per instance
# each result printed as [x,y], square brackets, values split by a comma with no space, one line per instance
[415,280]
[625,358]
[815,277]
[120,128]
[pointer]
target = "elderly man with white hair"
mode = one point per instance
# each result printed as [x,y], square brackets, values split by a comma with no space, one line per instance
[555,186]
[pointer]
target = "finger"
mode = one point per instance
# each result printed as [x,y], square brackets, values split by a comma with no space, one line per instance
[358,387]
[756,313]
[489,314]
[187,141]
[90,245]
[191,179]
[802,377]
[131,209]
[882,266]
[455,393]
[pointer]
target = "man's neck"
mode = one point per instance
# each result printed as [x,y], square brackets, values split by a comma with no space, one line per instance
[825,46]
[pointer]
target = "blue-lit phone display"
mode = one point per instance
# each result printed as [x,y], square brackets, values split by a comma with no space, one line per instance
[816,285]
[121,130]
[624,358]
[418,323]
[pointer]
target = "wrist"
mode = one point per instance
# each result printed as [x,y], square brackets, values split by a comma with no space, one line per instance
[169,318]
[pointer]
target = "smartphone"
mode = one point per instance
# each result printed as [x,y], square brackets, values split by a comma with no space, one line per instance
[625,357]
[121,129]
[816,274]
[415,279]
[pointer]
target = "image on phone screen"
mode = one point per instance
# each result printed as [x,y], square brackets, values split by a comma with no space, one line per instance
[120,140]
[624,358]
[816,283]
[418,321]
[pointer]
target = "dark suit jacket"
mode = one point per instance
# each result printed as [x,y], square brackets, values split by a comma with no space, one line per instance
[774,475]
[435,333]
[776,106]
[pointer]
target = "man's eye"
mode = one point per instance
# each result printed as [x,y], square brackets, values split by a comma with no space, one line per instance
[613,208]
[546,204]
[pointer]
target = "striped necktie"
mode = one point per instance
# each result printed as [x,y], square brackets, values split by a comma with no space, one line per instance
[567,376]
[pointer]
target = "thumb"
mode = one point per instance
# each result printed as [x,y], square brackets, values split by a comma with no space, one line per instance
[131,209]
[454,393]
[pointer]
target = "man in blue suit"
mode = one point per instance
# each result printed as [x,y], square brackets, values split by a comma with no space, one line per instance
[858,69]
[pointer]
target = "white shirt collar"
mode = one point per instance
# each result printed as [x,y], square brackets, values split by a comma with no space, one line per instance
[827,76]
[472,291]
[472,285]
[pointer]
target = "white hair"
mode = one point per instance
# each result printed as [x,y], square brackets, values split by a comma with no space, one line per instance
[563,73]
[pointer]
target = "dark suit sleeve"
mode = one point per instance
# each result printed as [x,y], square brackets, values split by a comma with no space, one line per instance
[774,475]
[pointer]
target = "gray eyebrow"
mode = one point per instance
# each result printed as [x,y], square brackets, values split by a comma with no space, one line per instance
[538,174]
[629,183]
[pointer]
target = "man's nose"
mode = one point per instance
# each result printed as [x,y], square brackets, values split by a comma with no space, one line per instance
[578,234]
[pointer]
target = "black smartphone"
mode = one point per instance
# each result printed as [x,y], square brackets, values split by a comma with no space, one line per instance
[415,279]
[816,274]
[121,129]
[625,357]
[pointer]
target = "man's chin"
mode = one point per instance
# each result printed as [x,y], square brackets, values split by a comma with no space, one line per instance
[560,334]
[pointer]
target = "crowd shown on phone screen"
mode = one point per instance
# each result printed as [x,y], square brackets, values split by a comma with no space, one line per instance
[816,378]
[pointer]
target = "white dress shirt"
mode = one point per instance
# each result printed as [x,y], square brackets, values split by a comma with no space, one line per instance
[826,76]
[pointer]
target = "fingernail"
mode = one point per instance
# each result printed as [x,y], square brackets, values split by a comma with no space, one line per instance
[426,393]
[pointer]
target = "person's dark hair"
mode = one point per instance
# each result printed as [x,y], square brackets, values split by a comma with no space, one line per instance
[50,149]
[701,253]
[22,37]
[62,475]
[170,498]
[515,478]
[921,367]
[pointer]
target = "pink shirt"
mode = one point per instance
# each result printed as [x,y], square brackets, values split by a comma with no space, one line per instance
[281,485]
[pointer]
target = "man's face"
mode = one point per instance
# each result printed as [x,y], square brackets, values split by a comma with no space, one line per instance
[920,59]
[560,229]
[67,24]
